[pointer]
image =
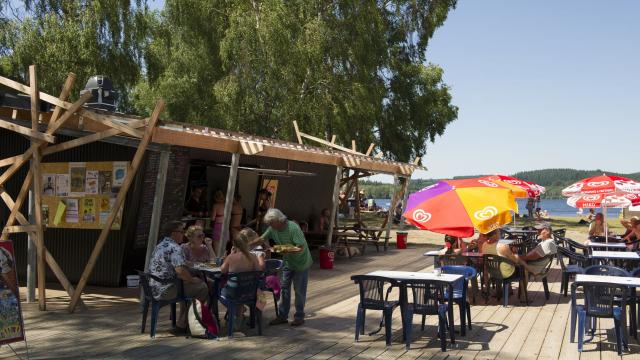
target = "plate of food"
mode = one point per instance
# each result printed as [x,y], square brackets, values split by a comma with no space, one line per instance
[286,248]
[207,266]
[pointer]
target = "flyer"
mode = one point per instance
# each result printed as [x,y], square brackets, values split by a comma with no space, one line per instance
[48,184]
[57,219]
[72,211]
[88,210]
[11,323]
[77,173]
[45,214]
[62,185]
[91,182]
[104,181]
[119,172]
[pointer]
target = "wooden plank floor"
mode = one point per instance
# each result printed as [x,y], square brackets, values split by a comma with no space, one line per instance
[109,327]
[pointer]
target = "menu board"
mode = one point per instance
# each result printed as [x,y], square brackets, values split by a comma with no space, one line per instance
[11,323]
[81,195]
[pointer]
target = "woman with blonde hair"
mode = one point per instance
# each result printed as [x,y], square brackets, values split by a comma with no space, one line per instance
[199,248]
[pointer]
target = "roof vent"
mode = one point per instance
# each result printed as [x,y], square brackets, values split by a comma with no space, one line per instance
[103,97]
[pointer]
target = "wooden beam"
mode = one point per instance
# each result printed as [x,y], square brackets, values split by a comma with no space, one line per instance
[353,145]
[327,143]
[55,123]
[370,149]
[106,120]
[86,139]
[405,197]
[333,139]
[26,89]
[334,206]
[20,160]
[35,170]
[416,161]
[15,206]
[156,211]
[19,229]
[379,155]
[62,278]
[64,93]
[295,126]
[33,134]
[250,147]
[135,163]
[228,203]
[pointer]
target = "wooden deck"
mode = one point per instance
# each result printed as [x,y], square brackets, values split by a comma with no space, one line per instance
[109,327]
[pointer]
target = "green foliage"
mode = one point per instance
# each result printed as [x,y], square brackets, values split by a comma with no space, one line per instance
[81,36]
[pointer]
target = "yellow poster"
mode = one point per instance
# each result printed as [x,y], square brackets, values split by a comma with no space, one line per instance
[271,185]
[80,195]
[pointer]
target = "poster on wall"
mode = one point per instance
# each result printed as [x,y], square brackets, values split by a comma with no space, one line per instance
[91,182]
[119,173]
[62,185]
[83,193]
[48,184]
[271,185]
[11,323]
[77,173]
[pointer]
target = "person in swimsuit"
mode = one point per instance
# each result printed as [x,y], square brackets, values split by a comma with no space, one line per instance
[237,212]
[217,216]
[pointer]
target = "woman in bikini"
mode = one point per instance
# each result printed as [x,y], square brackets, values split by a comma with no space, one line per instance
[217,216]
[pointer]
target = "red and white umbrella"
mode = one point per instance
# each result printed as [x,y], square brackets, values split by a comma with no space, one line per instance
[603,184]
[593,201]
[603,191]
[532,189]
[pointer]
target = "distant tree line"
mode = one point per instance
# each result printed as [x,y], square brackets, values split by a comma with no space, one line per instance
[554,180]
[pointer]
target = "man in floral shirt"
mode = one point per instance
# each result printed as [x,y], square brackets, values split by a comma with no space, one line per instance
[168,263]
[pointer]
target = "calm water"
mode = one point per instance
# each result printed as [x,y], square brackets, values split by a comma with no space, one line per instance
[555,207]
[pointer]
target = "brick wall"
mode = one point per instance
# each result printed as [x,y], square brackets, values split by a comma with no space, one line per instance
[175,188]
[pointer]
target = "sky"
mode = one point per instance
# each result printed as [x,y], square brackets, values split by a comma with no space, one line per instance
[539,84]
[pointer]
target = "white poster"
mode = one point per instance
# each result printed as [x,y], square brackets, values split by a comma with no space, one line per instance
[49,184]
[62,185]
[72,211]
[91,182]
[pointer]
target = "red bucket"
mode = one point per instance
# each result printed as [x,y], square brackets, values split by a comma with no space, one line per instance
[401,240]
[326,258]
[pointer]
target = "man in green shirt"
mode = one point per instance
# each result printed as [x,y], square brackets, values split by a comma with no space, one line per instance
[296,264]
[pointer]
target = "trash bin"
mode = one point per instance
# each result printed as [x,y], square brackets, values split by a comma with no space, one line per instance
[401,240]
[133,281]
[326,258]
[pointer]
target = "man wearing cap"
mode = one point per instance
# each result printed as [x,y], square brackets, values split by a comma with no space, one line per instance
[168,263]
[547,246]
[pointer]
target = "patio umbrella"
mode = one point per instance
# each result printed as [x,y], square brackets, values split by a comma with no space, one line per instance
[457,207]
[603,191]
[532,190]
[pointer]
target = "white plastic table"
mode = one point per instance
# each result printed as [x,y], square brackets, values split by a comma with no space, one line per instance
[628,255]
[607,245]
[619,280]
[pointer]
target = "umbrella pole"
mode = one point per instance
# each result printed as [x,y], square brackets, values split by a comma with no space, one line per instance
[606,231]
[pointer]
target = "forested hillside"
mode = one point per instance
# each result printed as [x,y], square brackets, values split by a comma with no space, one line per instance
[553,179]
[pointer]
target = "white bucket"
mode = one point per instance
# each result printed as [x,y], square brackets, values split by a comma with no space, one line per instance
[133,281]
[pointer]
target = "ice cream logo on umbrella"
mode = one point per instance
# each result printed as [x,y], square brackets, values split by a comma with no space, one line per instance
[421,216]
[590,197]
[627,185]
[488,183]
[597,183]
[513,182]
[485,214]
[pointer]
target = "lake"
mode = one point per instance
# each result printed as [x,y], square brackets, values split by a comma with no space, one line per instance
[555,207]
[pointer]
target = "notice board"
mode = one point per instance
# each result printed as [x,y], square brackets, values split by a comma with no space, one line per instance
[80,195]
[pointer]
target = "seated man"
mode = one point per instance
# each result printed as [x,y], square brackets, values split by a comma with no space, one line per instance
[532,261]
[168,263]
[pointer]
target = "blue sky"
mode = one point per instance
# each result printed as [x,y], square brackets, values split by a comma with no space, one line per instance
[540,84]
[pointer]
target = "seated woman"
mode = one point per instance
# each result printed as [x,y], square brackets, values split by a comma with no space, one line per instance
[240,260]
[453,246]
[491,246]
[633,233]
[596,228]
[547,246]
[199,248]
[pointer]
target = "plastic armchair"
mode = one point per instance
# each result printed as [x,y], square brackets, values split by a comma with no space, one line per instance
[243,293]
[575,264]
[272,267]
[601,301]
[493,264]
[374,295]
[150,301]
[460,292]
[575,246]
[428,299]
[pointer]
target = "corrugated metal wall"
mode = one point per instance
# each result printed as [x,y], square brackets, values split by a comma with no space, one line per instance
[71,247]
